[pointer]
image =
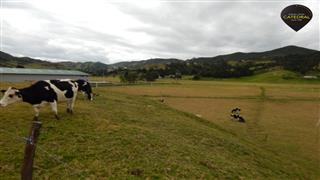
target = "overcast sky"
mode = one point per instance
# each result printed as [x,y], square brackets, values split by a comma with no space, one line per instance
[113,31]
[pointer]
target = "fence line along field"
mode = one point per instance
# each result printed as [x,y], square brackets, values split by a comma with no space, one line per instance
[127,132]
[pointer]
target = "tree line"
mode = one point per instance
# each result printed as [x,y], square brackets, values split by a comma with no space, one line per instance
[220,68]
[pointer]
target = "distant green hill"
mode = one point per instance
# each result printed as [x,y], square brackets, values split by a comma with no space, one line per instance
[7,60]
[291,57]
[95,68]
[266,55]
[280,52]
[145,63]
[277,76]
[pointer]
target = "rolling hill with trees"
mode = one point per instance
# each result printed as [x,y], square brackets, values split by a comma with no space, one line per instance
[293,58]
[7,60]
[266,55]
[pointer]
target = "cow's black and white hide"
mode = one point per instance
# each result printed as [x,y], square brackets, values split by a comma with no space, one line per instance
[235,115]
[43,92]
[85,87]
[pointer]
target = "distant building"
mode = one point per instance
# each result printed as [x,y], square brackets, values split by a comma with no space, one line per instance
[24,74]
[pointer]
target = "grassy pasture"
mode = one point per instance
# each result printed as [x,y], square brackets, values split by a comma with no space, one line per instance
[280,117]
[278,76]
[127,133]
[105,78]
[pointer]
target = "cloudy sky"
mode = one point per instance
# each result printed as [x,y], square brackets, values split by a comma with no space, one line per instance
[113,31]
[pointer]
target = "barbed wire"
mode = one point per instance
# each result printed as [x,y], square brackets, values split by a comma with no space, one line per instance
[15,136]
[48,154]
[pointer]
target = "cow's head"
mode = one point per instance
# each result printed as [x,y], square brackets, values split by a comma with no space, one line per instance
[85,87]
[12,95]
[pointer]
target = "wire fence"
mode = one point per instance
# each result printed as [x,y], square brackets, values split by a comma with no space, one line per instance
[54,157]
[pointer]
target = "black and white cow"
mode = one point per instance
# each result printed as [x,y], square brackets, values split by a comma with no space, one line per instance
[235,115]
[85,87]
[42,92]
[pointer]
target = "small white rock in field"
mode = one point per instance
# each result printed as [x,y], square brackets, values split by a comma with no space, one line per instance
[198,115]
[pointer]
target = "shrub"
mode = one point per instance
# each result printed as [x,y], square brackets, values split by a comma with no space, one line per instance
[196,77]
[129,76]
[151,76]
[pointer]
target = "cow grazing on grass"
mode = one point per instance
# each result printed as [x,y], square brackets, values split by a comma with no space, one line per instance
[42,92]
[85,87]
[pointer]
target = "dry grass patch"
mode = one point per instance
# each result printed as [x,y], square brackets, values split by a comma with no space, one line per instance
[216,110]
[286,127]
[295,92]
[189,90]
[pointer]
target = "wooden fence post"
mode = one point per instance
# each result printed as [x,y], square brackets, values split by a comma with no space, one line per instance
[29,152]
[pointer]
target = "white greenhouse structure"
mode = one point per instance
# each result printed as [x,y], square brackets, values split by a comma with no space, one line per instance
[24,74]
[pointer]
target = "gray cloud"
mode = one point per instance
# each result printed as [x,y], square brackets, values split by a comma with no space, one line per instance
[37,45]
[206,29]
[178,30]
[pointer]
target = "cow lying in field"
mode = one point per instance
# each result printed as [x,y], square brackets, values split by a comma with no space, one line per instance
[235,115]
[42,92]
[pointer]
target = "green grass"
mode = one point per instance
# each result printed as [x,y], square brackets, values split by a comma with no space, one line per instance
[279,117]
[105,78]
[126,136]
[275,76]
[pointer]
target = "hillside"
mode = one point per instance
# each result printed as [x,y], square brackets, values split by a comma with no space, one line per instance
[266,55]
[94,68]
[7,60]
[280,52]
[127,136]
[254,61]
[145,63]
[274,77]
